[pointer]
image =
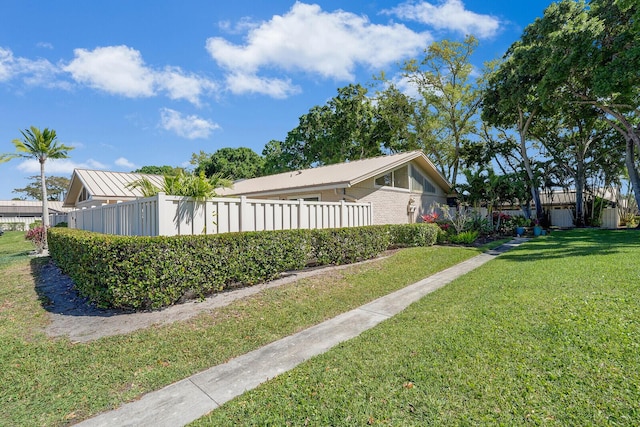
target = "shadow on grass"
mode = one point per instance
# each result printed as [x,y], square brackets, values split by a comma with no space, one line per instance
[576,243]
[57,293]
[11,258]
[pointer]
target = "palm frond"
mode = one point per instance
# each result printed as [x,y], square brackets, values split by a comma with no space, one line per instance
[145,186]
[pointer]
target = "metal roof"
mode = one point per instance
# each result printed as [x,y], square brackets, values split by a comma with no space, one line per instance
[106,185]
[29,207]
[341,175]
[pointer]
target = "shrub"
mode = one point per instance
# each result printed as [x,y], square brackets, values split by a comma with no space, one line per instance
[422,234]
[37,236]
[12,226]
[61,224]
[348,245]
[481,224]
[35,224]
[153,272]
[464,238]
[520,221]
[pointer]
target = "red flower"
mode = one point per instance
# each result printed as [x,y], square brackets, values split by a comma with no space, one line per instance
[430,218]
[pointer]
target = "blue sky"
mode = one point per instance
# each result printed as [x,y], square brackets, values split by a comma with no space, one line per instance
[130,84]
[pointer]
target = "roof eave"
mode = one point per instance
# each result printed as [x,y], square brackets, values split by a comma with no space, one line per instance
[291,190]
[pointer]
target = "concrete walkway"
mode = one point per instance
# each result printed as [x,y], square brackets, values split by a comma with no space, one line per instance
[185,401]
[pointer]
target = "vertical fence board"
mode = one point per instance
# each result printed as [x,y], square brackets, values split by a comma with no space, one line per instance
[171,215]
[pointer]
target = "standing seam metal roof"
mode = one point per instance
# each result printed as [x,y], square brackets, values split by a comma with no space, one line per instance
[104,184]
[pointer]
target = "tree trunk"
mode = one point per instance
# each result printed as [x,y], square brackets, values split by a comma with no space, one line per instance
[634,177]
[632,138]
[523,127]
[45,207]
[579,193]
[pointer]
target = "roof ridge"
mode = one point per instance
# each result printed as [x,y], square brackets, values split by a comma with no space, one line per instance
[404,153]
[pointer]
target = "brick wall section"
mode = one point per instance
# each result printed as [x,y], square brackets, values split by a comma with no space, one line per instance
[390,204]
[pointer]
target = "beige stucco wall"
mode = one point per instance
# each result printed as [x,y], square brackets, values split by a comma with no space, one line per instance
[389,204]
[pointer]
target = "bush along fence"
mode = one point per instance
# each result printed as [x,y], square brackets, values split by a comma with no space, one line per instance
[164,215]
[134,272]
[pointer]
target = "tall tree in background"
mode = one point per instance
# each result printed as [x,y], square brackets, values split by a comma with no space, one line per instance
[596,62]
[231,163]
[351,126]
[159,170]
[276,160]
[575,139]
[56,187]
[449,101]
[41,145]
[579,54]
[512,98]
[394,117]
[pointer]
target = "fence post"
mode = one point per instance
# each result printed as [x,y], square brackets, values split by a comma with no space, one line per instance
[344,215]
[161,214]
[243,209]
[302,224]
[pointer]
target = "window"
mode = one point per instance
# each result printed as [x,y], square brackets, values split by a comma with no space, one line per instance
[402,177]
[306,197]
[84,195]
[398,178]
[385,180]
[420,183]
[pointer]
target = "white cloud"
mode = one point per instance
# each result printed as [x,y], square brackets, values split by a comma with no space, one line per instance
[33,72]
[44,45]
[179,85]
[308,39]
[243,25]
[115,69]
[124,163]
[190,127]
[250,83]
[40,73]
[6,64]
[120,70]
[58,166]
[448,15]
[406,86]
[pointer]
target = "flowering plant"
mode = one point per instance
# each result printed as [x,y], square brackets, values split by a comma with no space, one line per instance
[37,236]
[503,217]
[430,218]
[445,226]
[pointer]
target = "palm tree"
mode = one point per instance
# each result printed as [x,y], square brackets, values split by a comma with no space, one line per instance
[41,145]
[197,186]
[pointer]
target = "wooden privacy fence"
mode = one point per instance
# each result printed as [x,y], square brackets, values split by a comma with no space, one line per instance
[164,215]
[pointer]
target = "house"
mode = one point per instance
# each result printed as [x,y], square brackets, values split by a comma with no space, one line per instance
[400,187]
[90,188]
[19,214]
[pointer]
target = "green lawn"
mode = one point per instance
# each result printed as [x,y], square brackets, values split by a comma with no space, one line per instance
[47,381]
[14,247]
[547,334]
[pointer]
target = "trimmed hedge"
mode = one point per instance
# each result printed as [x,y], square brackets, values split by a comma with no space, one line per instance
[349,245]
[420,234]
[152,272]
